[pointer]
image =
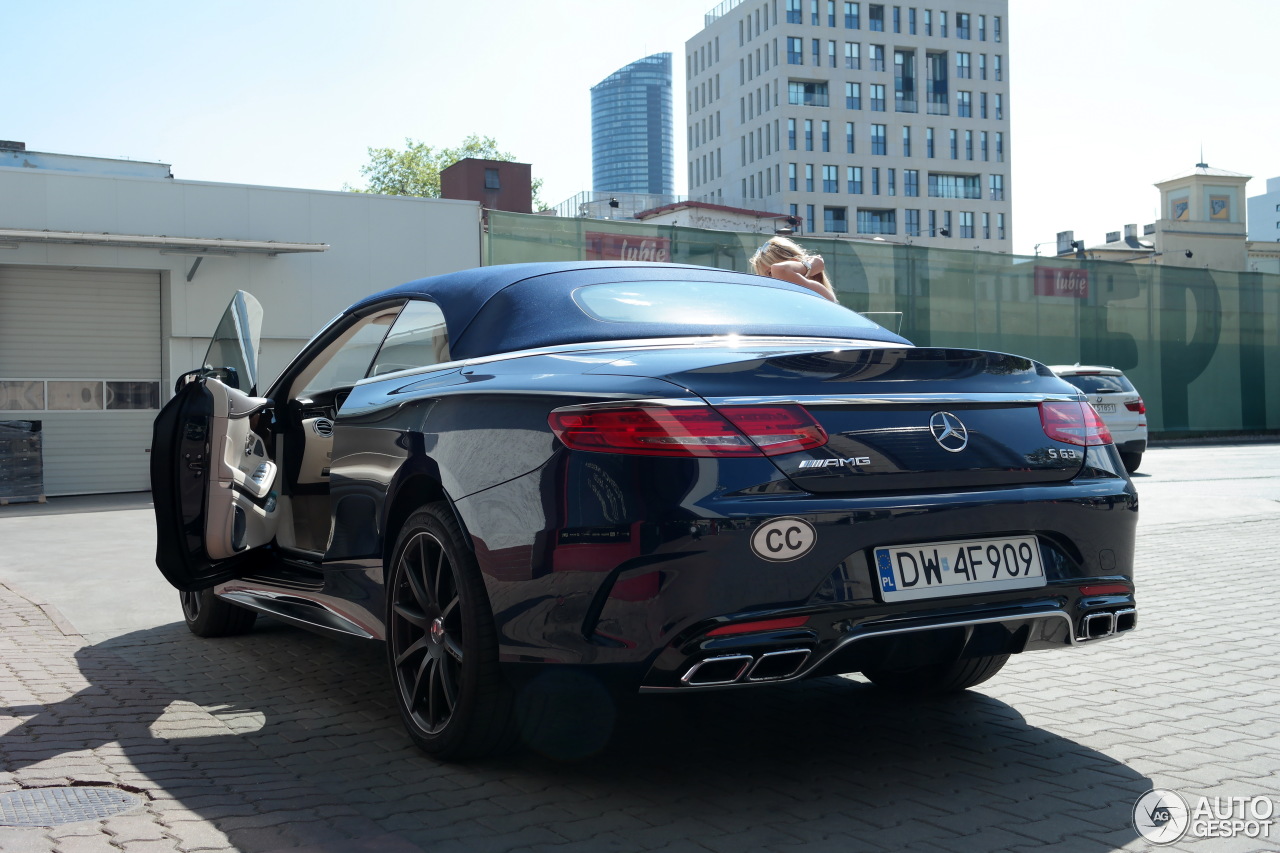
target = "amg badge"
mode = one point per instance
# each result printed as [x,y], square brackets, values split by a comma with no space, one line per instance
[852,461]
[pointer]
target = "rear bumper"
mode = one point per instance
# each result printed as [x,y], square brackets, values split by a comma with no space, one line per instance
[1137,445]
[830,645]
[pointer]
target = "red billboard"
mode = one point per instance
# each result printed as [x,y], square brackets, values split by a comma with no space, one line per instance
[602,246]
[1051,281]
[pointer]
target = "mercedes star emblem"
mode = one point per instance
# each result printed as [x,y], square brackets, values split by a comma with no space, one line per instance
[949,432]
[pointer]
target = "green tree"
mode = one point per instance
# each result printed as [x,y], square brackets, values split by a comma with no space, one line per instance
[416,169]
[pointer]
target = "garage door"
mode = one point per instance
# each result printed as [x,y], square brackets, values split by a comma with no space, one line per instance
[80,351]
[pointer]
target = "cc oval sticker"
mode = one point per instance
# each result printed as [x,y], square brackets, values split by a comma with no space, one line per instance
[782,539]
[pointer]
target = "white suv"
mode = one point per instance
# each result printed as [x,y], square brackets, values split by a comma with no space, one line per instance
[1117,402]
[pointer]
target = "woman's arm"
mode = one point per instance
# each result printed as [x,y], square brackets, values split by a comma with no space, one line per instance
[794,272]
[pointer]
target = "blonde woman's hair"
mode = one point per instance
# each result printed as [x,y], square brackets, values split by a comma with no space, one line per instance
[775,250]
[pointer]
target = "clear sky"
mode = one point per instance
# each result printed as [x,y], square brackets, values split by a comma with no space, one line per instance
[1107,97]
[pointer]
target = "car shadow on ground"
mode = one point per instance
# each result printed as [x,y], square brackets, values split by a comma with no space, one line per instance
[299,725]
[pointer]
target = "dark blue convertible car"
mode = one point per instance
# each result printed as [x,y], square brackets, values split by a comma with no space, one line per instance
[654,477]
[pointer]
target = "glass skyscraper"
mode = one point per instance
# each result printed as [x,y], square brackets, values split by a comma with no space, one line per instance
[632,143]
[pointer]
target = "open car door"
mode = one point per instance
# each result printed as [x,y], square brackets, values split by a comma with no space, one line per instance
[213,483]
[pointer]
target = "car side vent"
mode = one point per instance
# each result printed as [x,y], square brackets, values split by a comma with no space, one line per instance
[322,426]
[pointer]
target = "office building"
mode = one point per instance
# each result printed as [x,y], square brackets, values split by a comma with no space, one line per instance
[1264,213]
[859,119]
[632,136]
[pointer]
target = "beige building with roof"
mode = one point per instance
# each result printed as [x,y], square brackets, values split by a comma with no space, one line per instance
[1201,225]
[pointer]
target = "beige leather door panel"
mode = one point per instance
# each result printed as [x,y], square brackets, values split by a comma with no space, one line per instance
[241,510]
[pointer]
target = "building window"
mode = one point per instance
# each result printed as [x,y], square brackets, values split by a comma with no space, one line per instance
[875,182]
[893,182]
[795,51]
[928,22]
[853,178]
[966,224]
[808,134]
[826,136]
[875,15]
[933,223]
[928,142]
[851,59]
[817,51]
[491,181]
[982,28]
[964,104]
[911,223]
[942,24]
[911,182]
[982,66]
[936,85]
[954,186]
[791,176]
[963,71]
[996,185]
[876,57]
[807,94]
[911,21]
[968,145]
[999,106]
[999,147]
[853,96]
[851,16]
[830,179]
[831,13]
[877,97]
[877,222]
[835,220]
[995,32]
[808,177]
[809,222]
[962,25]
[794,14]
[999,216]
[848,138]
[995,67]
[946,224]
[813,12]
[986,226]
[791,134]
[831,54]
[906,141]
[982,105]
[983,144]
[878,145]
[897,19]
[904,81]
[955,147]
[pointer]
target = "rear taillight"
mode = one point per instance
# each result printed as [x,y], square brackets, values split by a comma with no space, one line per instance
[1074,423]
[1136,406]
[688,430]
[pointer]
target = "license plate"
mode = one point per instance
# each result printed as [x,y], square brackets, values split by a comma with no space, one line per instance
[961,567]
[1105,408]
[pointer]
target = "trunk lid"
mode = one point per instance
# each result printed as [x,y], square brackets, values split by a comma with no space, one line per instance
[897,418]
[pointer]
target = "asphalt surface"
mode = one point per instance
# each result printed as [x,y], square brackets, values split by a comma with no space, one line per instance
[284,740]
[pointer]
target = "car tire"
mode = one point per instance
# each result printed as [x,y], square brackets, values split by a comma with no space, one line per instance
[207,615]
[934,679]
[1131,461]
[442,646]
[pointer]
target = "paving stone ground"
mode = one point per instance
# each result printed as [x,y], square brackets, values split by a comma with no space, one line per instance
[283,740]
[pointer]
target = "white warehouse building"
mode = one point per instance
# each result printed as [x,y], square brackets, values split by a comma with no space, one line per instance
[113,275]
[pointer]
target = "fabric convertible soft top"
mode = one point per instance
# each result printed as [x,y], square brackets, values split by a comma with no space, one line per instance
[513,307]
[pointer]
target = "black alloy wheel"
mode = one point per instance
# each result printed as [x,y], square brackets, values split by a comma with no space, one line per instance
[441,643]
[207,615]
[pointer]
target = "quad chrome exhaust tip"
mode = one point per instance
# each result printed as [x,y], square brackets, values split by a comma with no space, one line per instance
[731,669]
[1106,623]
